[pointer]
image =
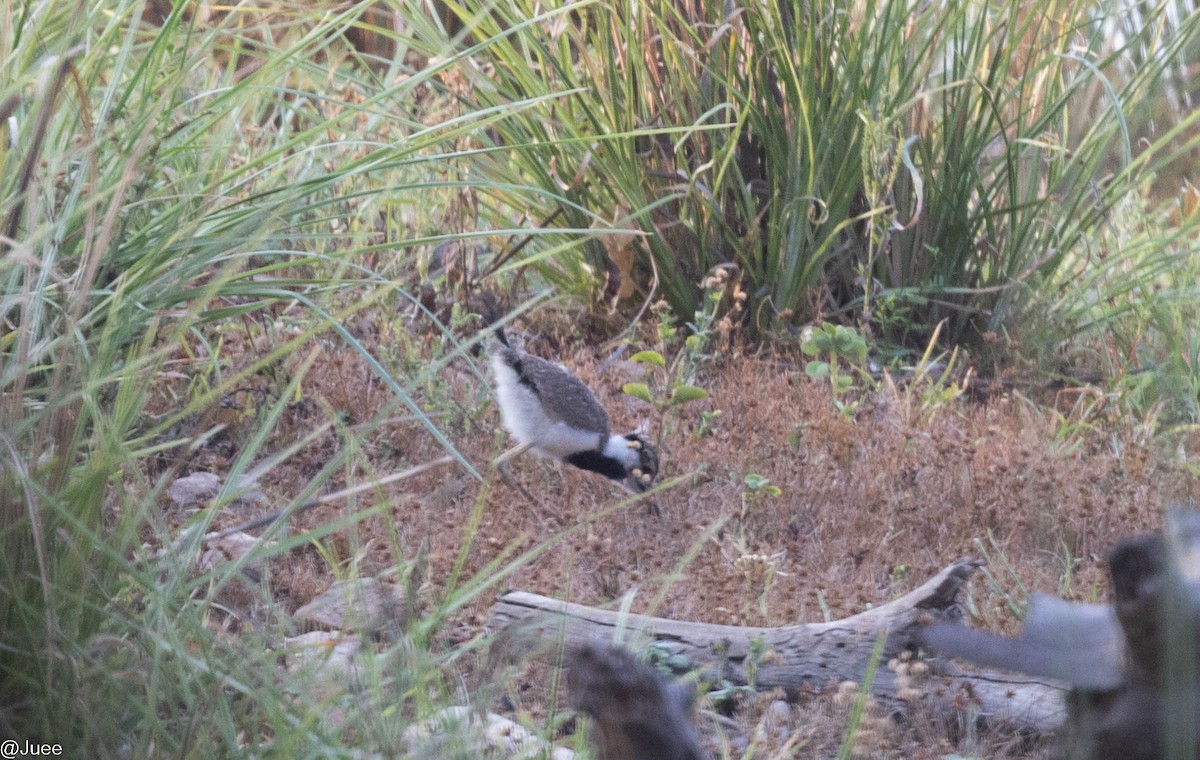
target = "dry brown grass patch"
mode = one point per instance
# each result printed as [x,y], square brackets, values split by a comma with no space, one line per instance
[868,508]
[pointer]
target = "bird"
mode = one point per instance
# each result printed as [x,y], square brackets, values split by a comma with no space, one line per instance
[548,409]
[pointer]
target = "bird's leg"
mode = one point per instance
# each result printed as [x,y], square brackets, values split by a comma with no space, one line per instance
[503,459]
[502,467]
[569,496]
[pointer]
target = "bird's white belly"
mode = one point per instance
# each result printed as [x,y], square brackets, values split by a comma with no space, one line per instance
[525,419]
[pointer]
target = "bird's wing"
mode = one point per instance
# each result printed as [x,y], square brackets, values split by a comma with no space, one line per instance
[564,396]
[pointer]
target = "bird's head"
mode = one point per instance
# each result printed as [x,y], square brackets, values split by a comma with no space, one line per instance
[642,461]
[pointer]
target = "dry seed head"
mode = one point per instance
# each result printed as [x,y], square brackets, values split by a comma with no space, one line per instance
[846,692]
[866,741]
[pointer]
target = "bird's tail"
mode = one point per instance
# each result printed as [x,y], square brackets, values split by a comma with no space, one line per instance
[489,309]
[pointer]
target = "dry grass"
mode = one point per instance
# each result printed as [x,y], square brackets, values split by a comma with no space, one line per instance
[869,507]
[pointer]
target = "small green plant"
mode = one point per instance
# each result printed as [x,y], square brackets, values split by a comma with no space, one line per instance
[858,740]
[932,383]
[1005,583]
[676,383]
[757,568]
[669,664]
[758,488]
[673,385]
[706,422]
[833,345]
[1069,563]
[666,392]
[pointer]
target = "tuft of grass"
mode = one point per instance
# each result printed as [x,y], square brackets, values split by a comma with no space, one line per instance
[189,209]
[900,168]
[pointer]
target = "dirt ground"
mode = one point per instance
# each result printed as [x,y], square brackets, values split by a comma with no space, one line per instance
[869,505]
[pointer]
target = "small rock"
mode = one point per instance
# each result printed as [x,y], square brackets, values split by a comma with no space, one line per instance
[494,736]
[247,493]
[331,654]
[779,711]
[738,745]
[358,604]
[227,549]
[195,488]
[199,487]
[775,723]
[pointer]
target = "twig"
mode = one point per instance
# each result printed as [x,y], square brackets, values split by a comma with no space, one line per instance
[258,522]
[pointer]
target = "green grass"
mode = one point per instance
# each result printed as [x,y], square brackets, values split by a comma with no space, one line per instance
[156,197]
[963,160]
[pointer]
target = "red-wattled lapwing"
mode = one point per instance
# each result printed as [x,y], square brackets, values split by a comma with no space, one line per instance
[548,409]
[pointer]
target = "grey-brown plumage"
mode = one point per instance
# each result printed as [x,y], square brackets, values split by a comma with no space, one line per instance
[550,410]
[563,396]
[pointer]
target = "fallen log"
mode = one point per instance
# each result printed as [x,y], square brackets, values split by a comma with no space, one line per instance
[807,656]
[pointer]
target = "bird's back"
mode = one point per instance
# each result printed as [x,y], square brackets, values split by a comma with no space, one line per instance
[545,405]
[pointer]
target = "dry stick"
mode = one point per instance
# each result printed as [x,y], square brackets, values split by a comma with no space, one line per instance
[258,522]
[504,256]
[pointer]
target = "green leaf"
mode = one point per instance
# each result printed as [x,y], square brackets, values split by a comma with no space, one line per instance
[650,357]
[817,369]
[681,394]
[754,481]
[638,390]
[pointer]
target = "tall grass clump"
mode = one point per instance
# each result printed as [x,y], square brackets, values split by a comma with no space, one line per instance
[165,178]
[859,161]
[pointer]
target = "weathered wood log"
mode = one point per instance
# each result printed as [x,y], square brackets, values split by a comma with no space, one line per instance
[813,655]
